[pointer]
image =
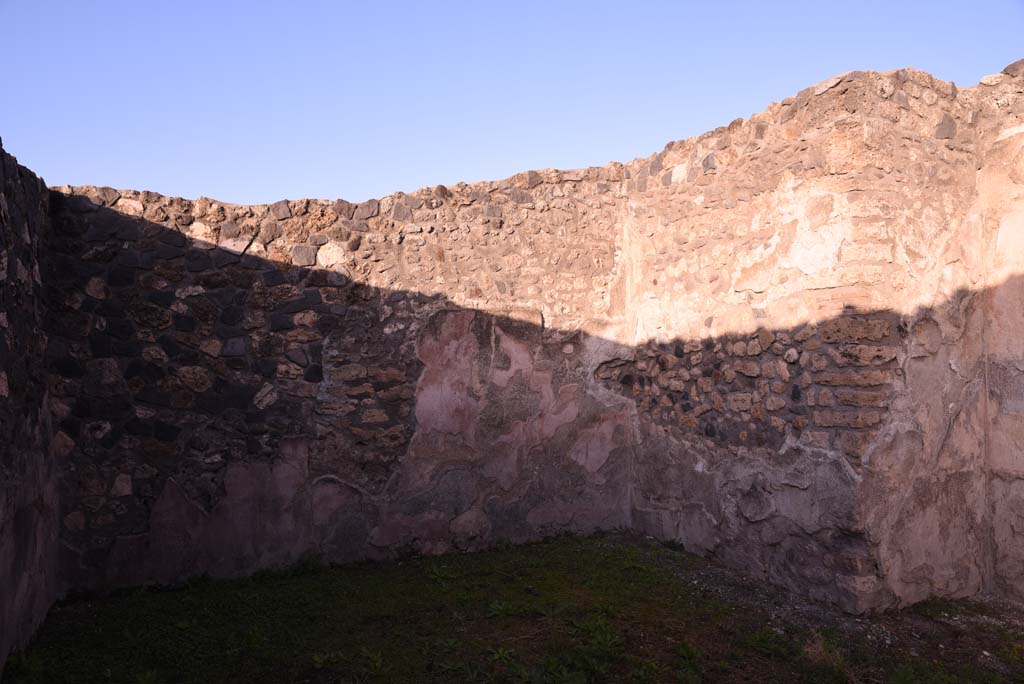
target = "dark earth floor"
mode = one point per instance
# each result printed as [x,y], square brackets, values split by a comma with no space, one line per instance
[610,608]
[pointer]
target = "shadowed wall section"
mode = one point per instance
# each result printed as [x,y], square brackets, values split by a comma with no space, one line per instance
[787,343]
[29,522]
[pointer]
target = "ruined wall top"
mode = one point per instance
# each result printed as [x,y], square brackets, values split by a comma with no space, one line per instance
[787,215]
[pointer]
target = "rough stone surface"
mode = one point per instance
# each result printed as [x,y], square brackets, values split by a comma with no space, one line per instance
[791,343]
[29,504]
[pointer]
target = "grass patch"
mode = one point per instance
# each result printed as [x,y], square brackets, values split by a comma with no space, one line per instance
[566,611]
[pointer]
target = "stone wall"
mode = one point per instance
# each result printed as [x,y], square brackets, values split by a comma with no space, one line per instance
[227,405]
[787,343]
[843,218]
[999,221]
[29,507]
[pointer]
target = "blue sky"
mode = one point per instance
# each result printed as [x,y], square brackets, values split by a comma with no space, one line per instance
[257,101]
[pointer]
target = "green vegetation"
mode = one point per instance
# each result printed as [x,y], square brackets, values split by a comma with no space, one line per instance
[566,611]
